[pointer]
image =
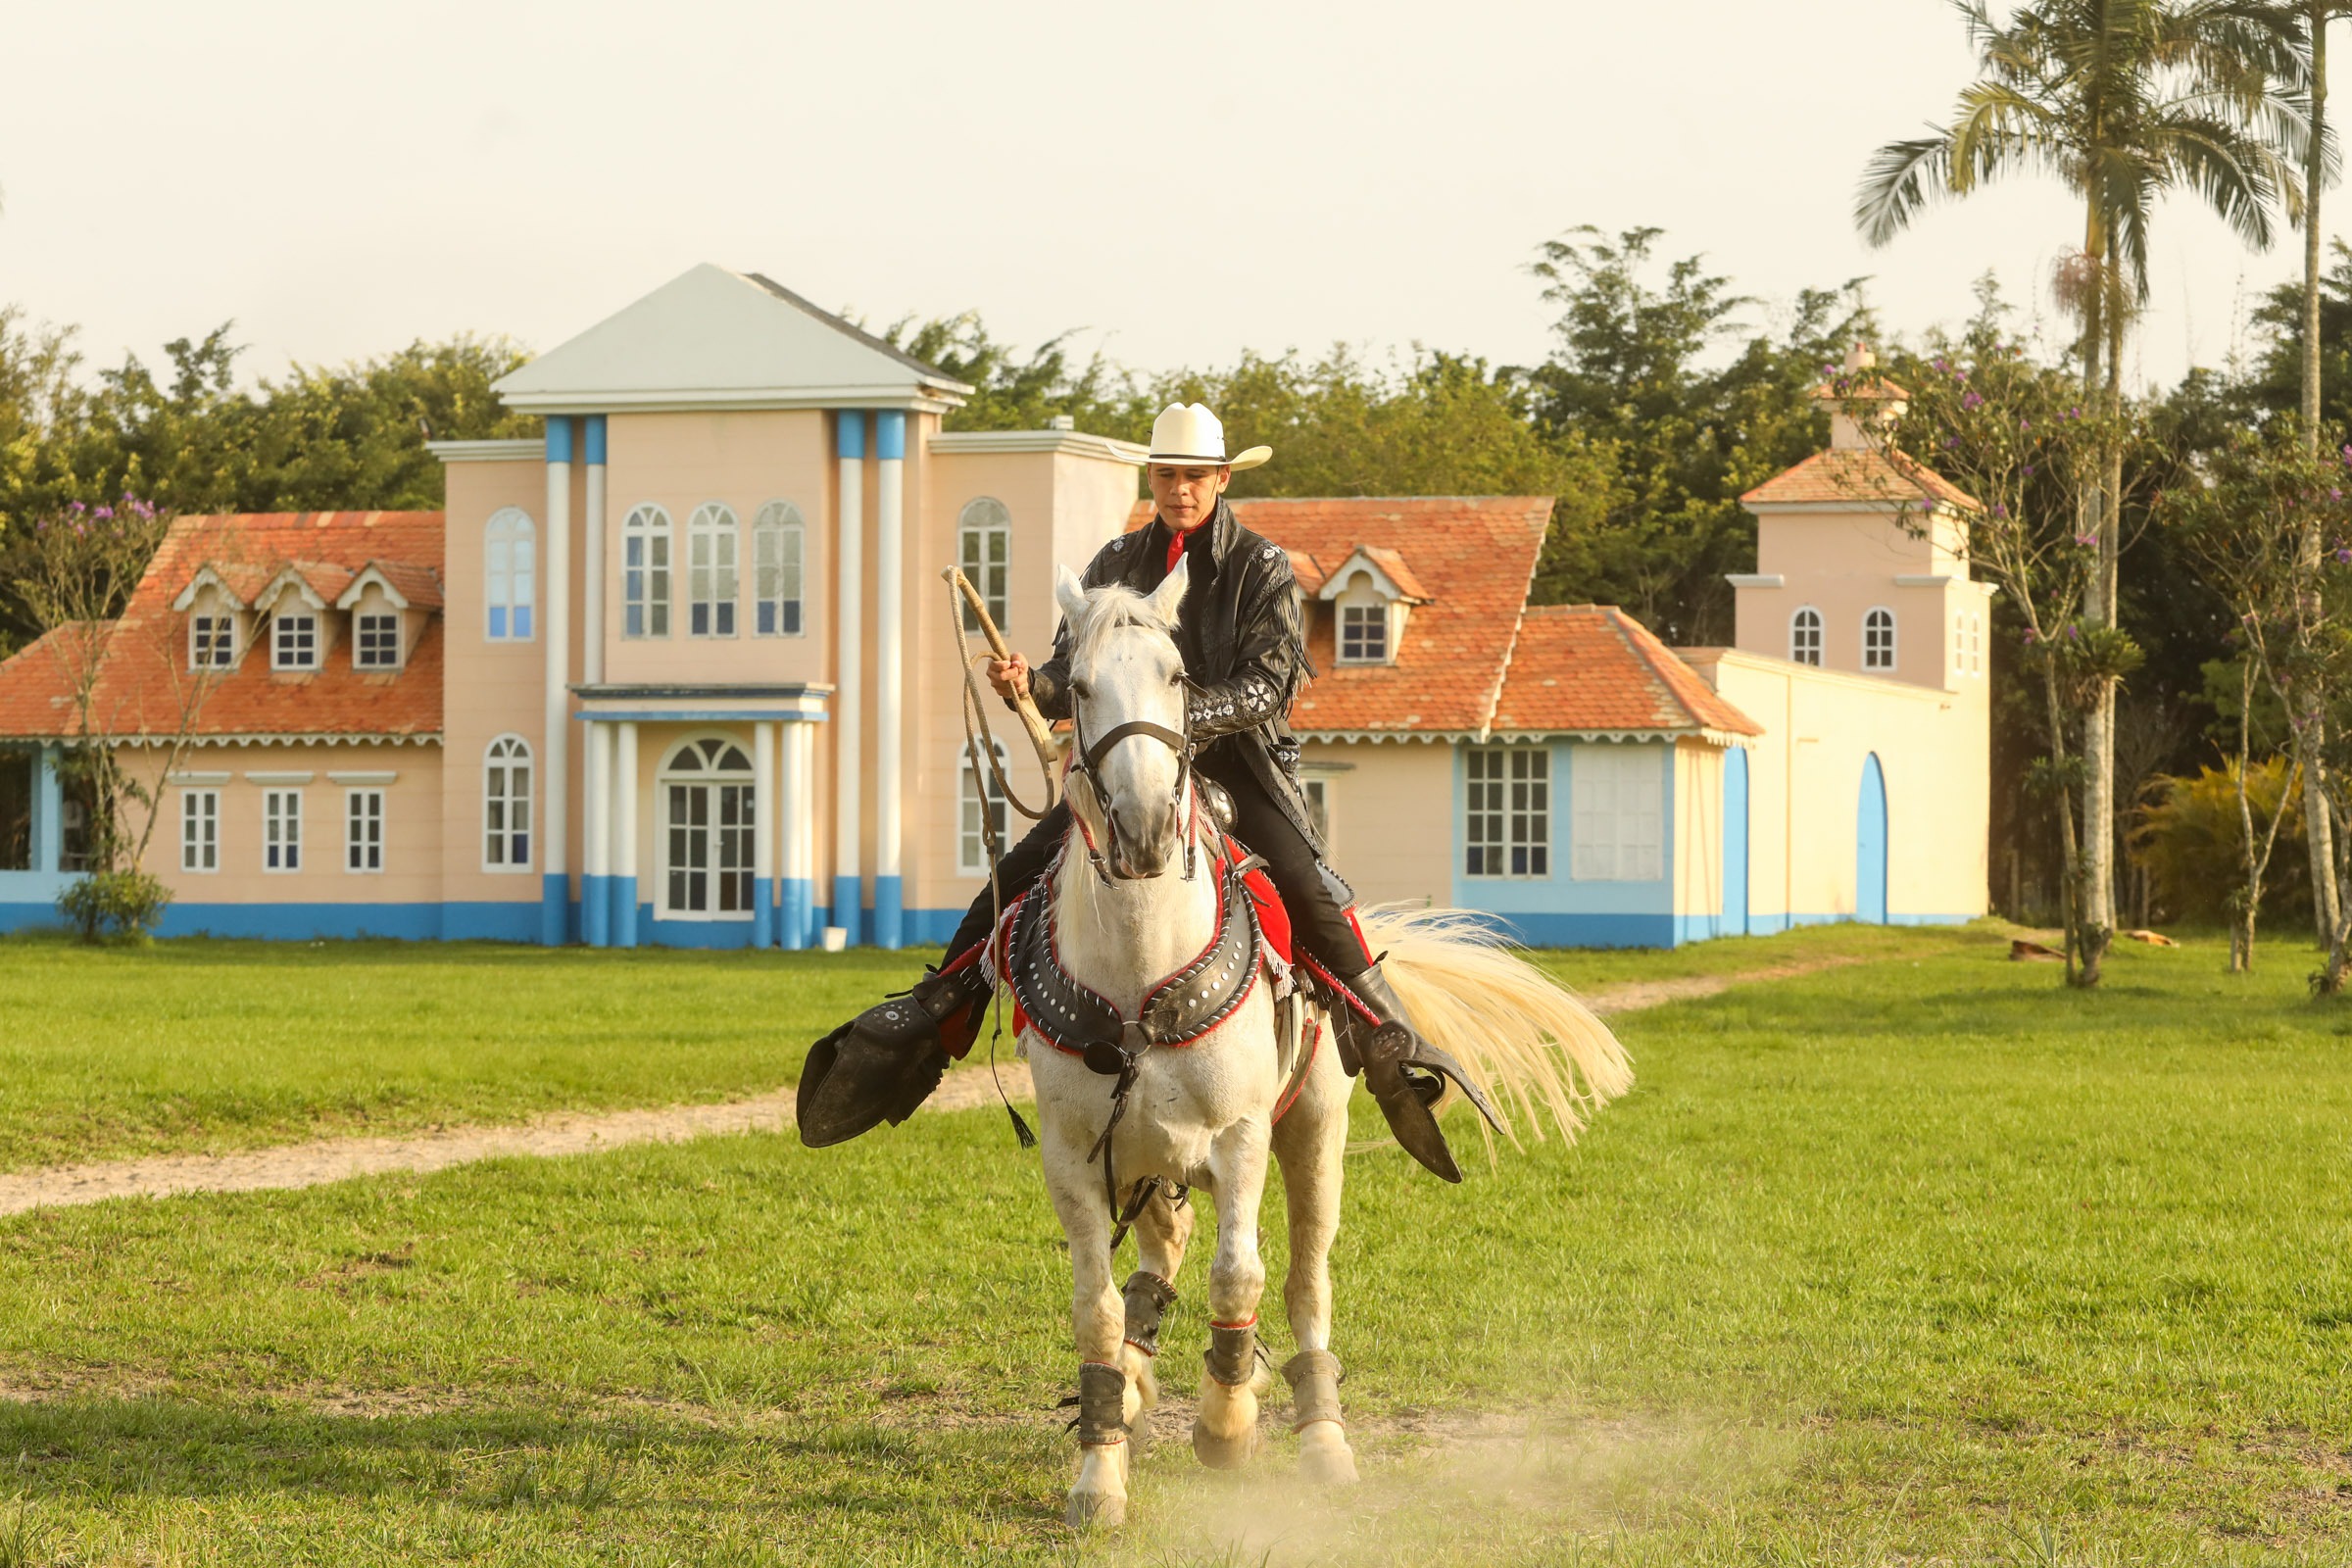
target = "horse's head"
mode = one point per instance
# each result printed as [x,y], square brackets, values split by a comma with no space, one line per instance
[1127,704]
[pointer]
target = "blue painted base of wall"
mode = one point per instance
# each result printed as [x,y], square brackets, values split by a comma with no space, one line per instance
[622,899]
[1586,930]
[847,909]
[890,912]
[798,909]
[596,911]
[764,913]
[555,910]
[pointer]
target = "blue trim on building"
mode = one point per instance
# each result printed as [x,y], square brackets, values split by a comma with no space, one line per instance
[554,914]
[890,435]
[700,716]
[1547,929]
[488,922]
[1735,844]
[559,438]
[931,928]
[623,896]
[764,913]
[792,924]
[848,900]
[890,914]
[596,911]
[849,434]
[1560,894]
[1870,845]
[592,439]
[718,935]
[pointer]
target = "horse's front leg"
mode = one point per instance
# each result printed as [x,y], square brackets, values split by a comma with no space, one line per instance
[1162,1230]
[1097,1323]
[1225,1431]
[1311,1143]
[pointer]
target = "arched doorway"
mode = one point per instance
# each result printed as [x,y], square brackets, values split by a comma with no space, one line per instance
[1734,921]
[707,831]
[1870,846]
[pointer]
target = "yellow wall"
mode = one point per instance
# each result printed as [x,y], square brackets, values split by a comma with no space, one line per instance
[1393,828]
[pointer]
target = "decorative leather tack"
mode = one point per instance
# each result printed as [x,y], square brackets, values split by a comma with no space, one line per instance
[1314,1379]
[1232,1352]
[1101,1404]
[1179,1010]
[1149,1297]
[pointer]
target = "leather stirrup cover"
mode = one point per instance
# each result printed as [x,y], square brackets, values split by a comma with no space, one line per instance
[1409,1118]
[877,1067]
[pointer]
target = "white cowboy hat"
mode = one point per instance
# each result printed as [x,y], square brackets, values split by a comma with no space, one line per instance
[1188,433]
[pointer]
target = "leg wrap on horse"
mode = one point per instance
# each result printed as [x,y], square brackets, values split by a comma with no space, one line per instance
[1101,1404]
[1314,1379]
[1232,1356]
[1148,1298]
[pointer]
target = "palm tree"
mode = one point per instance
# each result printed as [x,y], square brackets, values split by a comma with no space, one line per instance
[2126,101]
[2309,20]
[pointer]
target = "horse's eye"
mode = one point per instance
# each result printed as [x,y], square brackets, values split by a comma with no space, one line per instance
[1082,691]
[1176,679]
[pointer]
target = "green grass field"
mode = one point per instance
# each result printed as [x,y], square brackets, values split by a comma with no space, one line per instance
[1916,1260]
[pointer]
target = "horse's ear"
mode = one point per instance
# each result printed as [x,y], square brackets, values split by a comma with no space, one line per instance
[1070,594]
[1168,597]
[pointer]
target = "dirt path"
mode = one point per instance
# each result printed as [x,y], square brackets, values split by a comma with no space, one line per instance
[334,1159]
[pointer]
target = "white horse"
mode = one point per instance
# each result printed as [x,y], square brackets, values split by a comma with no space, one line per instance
[1134,898]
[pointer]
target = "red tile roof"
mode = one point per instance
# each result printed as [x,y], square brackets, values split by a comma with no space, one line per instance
[1860,473]
[1472,558]
[147,673]
[1594,668]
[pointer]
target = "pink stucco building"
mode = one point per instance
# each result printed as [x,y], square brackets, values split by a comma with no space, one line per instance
[682,672]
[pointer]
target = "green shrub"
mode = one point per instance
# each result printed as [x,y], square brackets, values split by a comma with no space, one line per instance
[114,904]
[2190,840]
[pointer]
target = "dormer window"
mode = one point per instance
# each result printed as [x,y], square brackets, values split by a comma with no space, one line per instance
[294,643]
[211,641]
[376,642]
[1372,594]
[1363,634]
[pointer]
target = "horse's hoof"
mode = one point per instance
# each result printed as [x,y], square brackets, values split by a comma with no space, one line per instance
[1223,1453]
[1324,1457]
[1096,1510]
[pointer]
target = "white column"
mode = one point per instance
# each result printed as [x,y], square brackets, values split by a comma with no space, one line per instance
[592,567]
[763,834]
[798,816]
[596,839]
[849,781]
[890,597]
[624,836]
[555,754]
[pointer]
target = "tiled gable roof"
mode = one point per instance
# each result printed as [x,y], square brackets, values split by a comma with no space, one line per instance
[1581,669]
[141,690]
[1860,473]
[1472,558]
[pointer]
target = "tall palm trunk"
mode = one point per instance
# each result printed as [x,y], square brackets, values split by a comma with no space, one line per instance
[2102,383]
[2310,728]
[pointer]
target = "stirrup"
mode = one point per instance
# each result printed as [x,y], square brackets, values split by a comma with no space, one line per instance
[1407,1077]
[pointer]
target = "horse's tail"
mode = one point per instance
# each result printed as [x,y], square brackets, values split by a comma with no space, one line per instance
[1522,1034]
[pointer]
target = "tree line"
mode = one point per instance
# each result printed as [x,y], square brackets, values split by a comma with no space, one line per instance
[2170,698]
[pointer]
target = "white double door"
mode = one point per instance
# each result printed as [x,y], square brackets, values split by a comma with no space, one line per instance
[708,856]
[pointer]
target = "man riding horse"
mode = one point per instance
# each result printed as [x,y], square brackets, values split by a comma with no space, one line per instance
[1245,658]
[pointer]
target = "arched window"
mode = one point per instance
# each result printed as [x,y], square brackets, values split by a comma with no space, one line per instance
[645,573]
[707,825]
[777,543]
[1878,639]
[983,549]
[507,804]
[979,809]
[509,547]
[1804,636]
[710,549]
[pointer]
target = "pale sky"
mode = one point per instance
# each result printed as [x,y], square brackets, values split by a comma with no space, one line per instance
[1181,181]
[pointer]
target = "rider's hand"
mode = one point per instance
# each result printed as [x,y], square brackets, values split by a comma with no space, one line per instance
[1009,676]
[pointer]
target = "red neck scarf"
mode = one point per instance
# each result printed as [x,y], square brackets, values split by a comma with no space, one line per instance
[1175,548]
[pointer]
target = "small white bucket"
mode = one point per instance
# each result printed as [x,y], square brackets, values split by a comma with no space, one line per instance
[837,938]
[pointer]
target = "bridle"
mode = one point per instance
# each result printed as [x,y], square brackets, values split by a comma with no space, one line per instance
[1086,761]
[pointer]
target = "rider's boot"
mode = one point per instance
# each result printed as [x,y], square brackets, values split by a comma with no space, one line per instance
[1405,1073]
[883,1062]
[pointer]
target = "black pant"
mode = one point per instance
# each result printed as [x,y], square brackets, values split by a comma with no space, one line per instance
[1316,899]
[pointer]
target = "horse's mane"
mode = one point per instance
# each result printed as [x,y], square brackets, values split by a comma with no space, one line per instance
[1114,607]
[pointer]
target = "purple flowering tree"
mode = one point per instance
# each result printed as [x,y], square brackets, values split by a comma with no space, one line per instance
[2020,439]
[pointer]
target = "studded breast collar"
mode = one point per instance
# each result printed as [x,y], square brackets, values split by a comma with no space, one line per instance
[1177,1012]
